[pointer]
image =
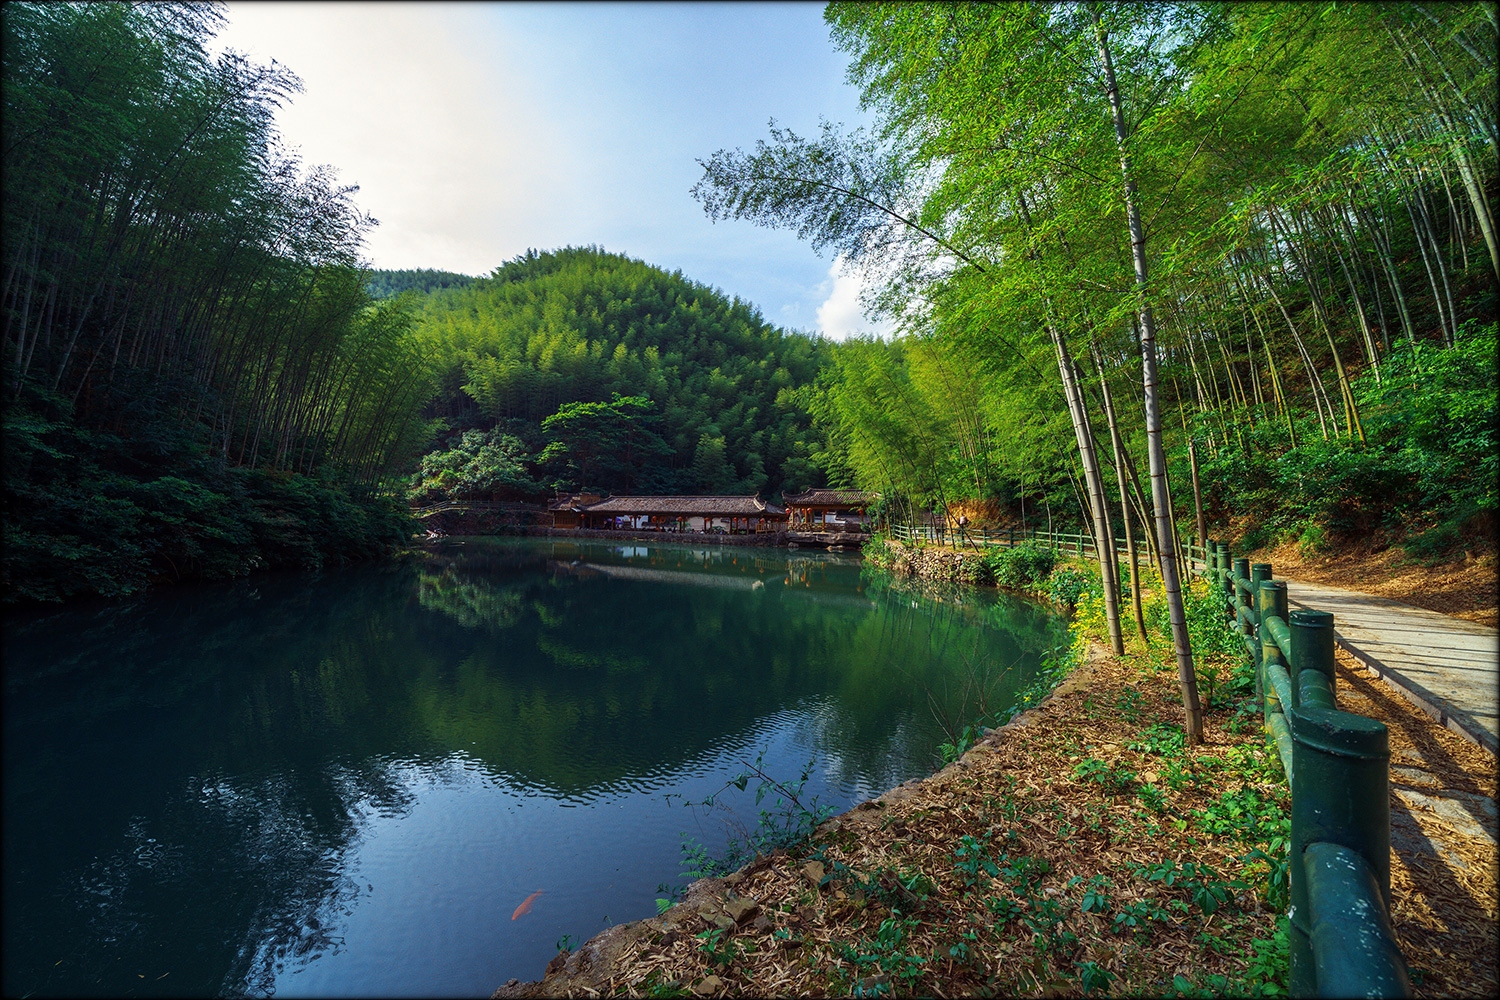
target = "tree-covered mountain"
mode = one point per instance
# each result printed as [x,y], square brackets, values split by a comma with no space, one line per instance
[611,374]
[385,284]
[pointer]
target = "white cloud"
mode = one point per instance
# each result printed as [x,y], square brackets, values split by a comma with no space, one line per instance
[399,104]
[477,130]
[841,316]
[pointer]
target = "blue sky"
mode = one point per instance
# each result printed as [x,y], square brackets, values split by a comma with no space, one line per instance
[477,130]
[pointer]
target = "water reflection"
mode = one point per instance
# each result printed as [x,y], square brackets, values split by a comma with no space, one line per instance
[345,784]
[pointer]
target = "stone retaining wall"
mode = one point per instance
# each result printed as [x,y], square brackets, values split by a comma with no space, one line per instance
[933,563]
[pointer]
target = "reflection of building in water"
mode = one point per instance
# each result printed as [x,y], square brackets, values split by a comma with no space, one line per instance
[813,573]
[722,580]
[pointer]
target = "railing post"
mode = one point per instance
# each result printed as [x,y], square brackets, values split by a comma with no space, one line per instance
[1272,605]
[1340,795]
[1226,581]
[1313,680]
[1240,570]
[1259,574]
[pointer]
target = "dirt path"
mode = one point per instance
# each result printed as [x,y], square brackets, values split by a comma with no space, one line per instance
[1443,841]
[1448,667]
[1466,589]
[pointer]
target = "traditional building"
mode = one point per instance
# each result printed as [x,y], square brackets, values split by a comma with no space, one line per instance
[565,508]
[828,510]
[733,515]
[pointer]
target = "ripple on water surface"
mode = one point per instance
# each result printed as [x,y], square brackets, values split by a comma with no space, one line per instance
[349,784]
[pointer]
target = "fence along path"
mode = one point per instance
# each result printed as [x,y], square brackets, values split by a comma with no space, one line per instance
[1337,764]
[1449,667]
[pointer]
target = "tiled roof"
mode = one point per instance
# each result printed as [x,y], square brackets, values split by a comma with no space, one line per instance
[820,498]
[572,501]
[752,506]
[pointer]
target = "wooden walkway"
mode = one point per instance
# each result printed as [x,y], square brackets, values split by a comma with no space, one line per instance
[1448,667]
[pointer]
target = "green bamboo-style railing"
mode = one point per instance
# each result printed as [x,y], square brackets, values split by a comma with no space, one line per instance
[1072,543]
[1337,764]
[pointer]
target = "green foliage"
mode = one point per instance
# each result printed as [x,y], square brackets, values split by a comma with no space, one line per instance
[1116,780]
[385,284]
[84,519]
[1067,584]
[1022,566]
[786,822]
[602,442]
[877,550]
[480,466]
[1264,976]
[1198,882]
[718,948]
[1093,977]
[1292,239]
[1208,624]
[950,752]
[972,860]
[1162,738]
[888,951]
[196,382]
[1247,814]
[548,332]
[1430,458]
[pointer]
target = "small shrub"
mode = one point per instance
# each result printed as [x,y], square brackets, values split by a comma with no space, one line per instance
[1470,523]
[1025,565]
[1066,584]
[973,571]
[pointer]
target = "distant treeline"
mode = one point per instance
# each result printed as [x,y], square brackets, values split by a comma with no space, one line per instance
[384,284]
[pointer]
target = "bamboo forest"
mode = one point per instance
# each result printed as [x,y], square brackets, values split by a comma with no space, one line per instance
[1154,295]
[1260,249]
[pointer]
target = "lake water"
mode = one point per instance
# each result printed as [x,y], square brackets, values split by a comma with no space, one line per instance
[348,783]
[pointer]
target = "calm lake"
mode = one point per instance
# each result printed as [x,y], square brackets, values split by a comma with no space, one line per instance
[348,783]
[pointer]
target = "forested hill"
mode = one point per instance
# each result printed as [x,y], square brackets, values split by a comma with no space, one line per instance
[531,360]
[384,284]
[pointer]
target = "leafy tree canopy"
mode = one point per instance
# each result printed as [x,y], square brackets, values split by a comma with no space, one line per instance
[621,376]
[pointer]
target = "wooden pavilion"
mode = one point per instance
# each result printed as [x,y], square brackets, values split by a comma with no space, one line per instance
[827,510]
[565,508]
[729,514]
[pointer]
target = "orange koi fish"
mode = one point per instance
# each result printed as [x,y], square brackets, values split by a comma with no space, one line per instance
[525,906]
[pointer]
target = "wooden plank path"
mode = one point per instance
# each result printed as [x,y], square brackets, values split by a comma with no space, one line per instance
[1449,667]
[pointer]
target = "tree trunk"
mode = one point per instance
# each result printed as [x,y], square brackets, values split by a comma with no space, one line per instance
[1095,486]
[1125,512]
[1197,497]
[1171,585]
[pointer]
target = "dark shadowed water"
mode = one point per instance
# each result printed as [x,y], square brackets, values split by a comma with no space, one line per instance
[347,784]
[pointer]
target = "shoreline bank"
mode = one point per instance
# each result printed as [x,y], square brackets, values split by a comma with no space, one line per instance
[602,962]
